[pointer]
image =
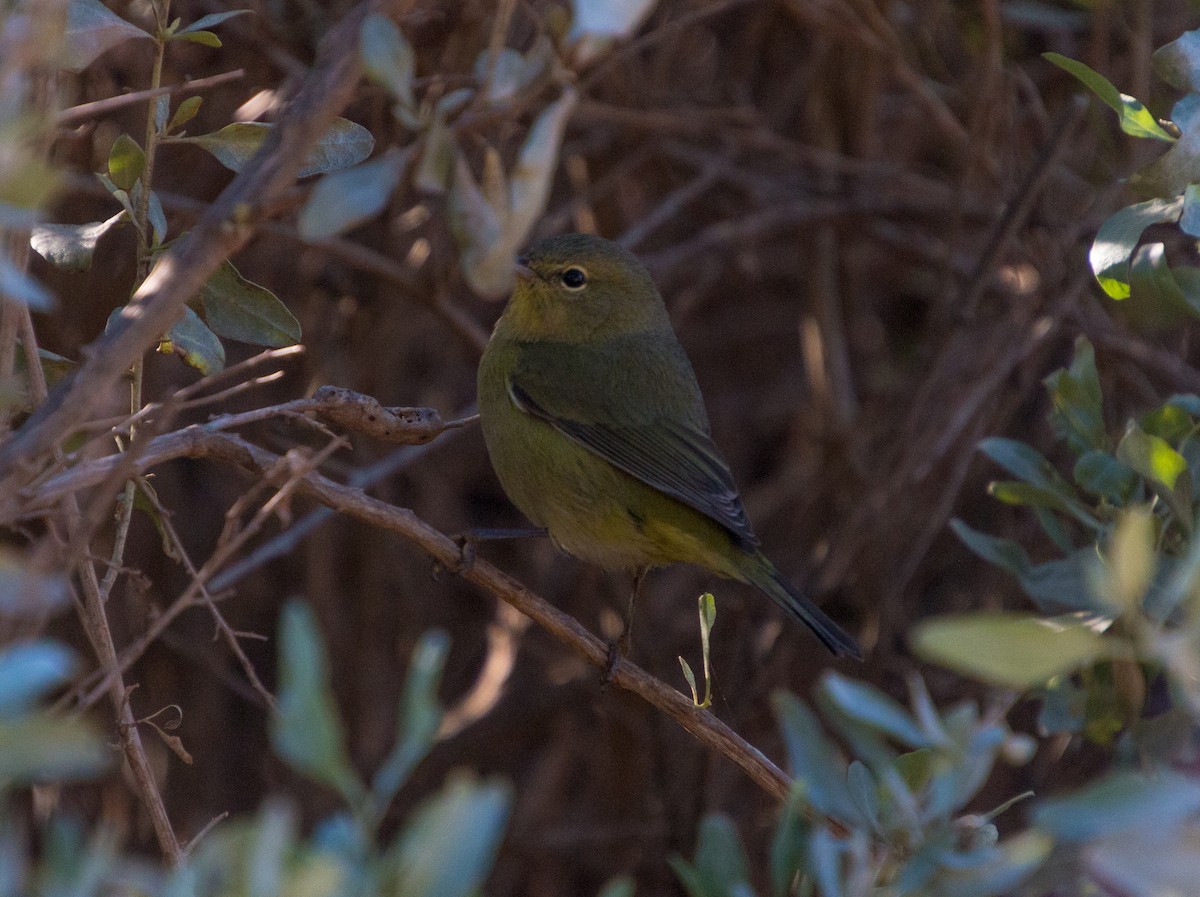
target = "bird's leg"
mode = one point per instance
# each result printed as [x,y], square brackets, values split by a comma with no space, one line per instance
[468,539]
[620,647]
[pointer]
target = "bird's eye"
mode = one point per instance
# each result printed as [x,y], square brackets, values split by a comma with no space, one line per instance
[574,278]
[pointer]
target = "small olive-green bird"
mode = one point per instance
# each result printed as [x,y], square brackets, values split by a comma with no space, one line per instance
[597,430]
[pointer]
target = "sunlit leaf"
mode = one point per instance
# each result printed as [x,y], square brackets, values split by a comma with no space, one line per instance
[195,343]
[1172,172]
[91,29]
[1135,119]
[71,246]
[1131,561]
[344,199]
[1151,457]
[1118,237]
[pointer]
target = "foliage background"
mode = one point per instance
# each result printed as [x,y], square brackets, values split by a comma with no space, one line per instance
[820,191]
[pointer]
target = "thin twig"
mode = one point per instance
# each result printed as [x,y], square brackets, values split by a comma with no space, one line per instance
[76,114]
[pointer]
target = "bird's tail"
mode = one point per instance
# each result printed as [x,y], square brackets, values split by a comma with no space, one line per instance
[762,574]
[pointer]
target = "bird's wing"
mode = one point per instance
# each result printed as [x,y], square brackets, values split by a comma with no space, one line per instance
[643,414]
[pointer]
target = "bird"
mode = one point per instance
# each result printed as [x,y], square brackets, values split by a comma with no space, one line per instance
[597,431]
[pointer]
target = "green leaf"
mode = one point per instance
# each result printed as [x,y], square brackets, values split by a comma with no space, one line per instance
[1122,802]
[449,845]
[1017,651]
[343,199]
[21,287]
[42,747]
[186,112]
[27,594]
[866,705]
[1135,119]
[1151,457]
[387,57]
[813,759]
[998,870]
[205,38]
[91,29]
[1172,172]
[1178,63]
[1118,238]
[1025,462]
[865,793]
[194,342]
[1100,474]
[235,308]
[212,20]
[343,145]
[157,219]
[1131,560]
[1152,282]
[720,867]
[1189,219]
[306,731]
[788,844]
[28,670]
[1078,415]
[419,717]
[71,246]
[125,162]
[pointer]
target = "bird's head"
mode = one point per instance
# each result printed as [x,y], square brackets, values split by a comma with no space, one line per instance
[579,287]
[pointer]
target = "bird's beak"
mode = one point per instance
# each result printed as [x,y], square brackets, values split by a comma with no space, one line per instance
[523,270]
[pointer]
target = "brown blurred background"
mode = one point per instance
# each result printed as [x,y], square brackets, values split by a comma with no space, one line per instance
[869,219]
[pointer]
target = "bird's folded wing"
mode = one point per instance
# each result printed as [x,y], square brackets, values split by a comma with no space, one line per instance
[676,457]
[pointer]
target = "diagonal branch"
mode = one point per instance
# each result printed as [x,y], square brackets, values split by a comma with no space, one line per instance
[221,231]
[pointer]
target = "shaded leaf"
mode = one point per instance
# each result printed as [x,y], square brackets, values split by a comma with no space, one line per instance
[788,844]
[344,199]
[1147,863]
[236,308]
[195,343]
[27,593]
[21,287]
[1122,802]
[91,29]
[449,846]
[28,670]
[388,57]
[205,38]
[420,714]
[873,708]
[812,758]
[186,112]
[529,182]
[306,731]
[1100,474]
[71,246]
[212,20]
[1017,651]
[999,870]
[343,145]
[1078,416]
[439,150]
[41,747]
[595,24]
[720,867]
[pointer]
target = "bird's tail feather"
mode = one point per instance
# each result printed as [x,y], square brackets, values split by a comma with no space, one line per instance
[800,607]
